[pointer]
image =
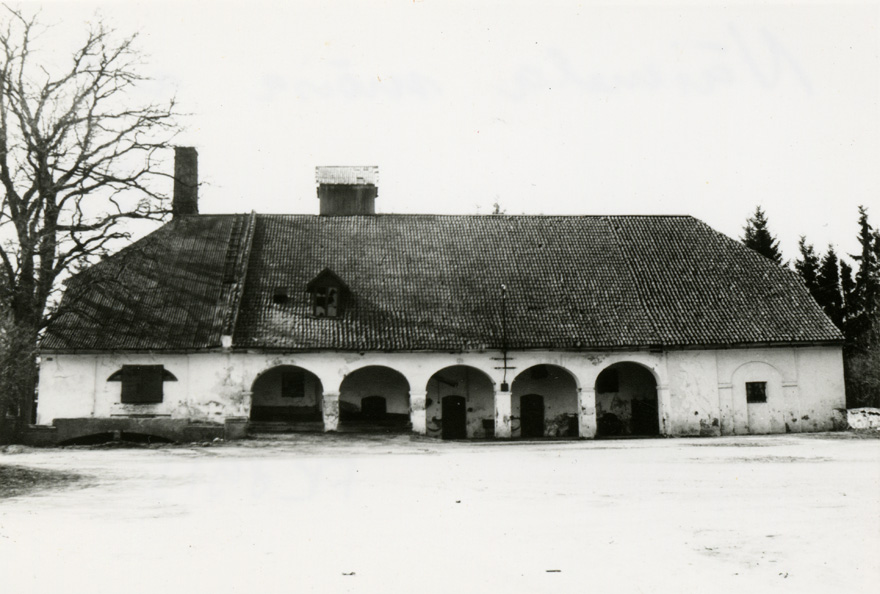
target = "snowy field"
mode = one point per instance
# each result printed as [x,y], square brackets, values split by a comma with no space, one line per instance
[386,515]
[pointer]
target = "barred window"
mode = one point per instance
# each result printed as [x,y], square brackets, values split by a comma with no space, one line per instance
[756,392]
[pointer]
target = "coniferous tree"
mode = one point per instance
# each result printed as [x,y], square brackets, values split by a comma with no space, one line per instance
[758,237]
[807,266]
[828,293]
[848,292]
[867,278]
[861,293]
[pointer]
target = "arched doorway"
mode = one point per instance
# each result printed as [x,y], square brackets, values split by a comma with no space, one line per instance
[460,403]
[626,401]
[286,394]
[374,399]
[544,402]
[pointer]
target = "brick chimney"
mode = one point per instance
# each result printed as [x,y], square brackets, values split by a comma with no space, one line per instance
[186,181]
[348,190]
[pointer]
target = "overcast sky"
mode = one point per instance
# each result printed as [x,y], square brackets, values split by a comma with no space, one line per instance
[546,107]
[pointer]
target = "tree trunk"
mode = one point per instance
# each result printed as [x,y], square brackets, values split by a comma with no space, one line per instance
[18,379]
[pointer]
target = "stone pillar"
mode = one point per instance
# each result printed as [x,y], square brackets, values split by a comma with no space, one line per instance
[664,403]
[502,414]
[330,406]
[587,413]
[418,413]
[726,410]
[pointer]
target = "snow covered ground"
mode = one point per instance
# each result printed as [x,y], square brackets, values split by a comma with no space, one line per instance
[386,515]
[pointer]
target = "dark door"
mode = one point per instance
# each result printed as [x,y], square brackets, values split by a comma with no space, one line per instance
[373,407]
[454,418]
[645,420]
[531,414]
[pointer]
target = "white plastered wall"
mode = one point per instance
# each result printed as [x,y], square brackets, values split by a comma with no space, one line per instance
[700,392]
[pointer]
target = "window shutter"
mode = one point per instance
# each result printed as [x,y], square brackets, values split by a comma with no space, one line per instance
[130,383]
[150,388]
[142,384]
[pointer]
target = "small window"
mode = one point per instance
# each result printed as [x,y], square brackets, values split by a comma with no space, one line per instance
[328,294]
[279,297]
[326,302]
[608,381]
[756,392]
[142,384]
[293,383]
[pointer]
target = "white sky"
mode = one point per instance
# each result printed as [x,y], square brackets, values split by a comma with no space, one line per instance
[547,107]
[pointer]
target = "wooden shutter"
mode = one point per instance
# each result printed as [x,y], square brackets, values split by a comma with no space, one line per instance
[142,384]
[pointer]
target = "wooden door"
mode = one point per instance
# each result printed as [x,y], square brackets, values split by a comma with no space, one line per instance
[454,413]
[531,414]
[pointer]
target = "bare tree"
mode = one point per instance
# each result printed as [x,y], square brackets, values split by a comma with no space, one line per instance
[78,151]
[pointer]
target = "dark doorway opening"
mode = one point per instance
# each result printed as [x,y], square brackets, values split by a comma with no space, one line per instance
[374,399]
[374,407]
[626,401]
[645,419]
[454,417]
[531,413]
[286,396]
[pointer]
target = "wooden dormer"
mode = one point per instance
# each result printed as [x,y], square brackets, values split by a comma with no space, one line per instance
[329,294]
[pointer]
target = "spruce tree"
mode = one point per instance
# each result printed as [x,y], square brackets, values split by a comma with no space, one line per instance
[828,293]
[807,266]
[867,277]
[758,237]
[848,292]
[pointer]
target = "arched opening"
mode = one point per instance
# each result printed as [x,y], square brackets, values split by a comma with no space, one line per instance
[287,395]
[758,400]
[460,403]
[626,401]
[544,403]
[374,398]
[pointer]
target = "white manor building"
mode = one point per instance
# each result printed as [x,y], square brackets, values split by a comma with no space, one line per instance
[450,326]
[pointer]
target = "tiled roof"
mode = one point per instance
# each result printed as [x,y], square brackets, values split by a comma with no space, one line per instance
[426,282]
[166,291]
[347,174]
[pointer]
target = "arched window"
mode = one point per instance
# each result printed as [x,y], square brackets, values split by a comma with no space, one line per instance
[142,384]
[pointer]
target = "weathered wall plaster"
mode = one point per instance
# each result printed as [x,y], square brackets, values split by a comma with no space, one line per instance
[699,392]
